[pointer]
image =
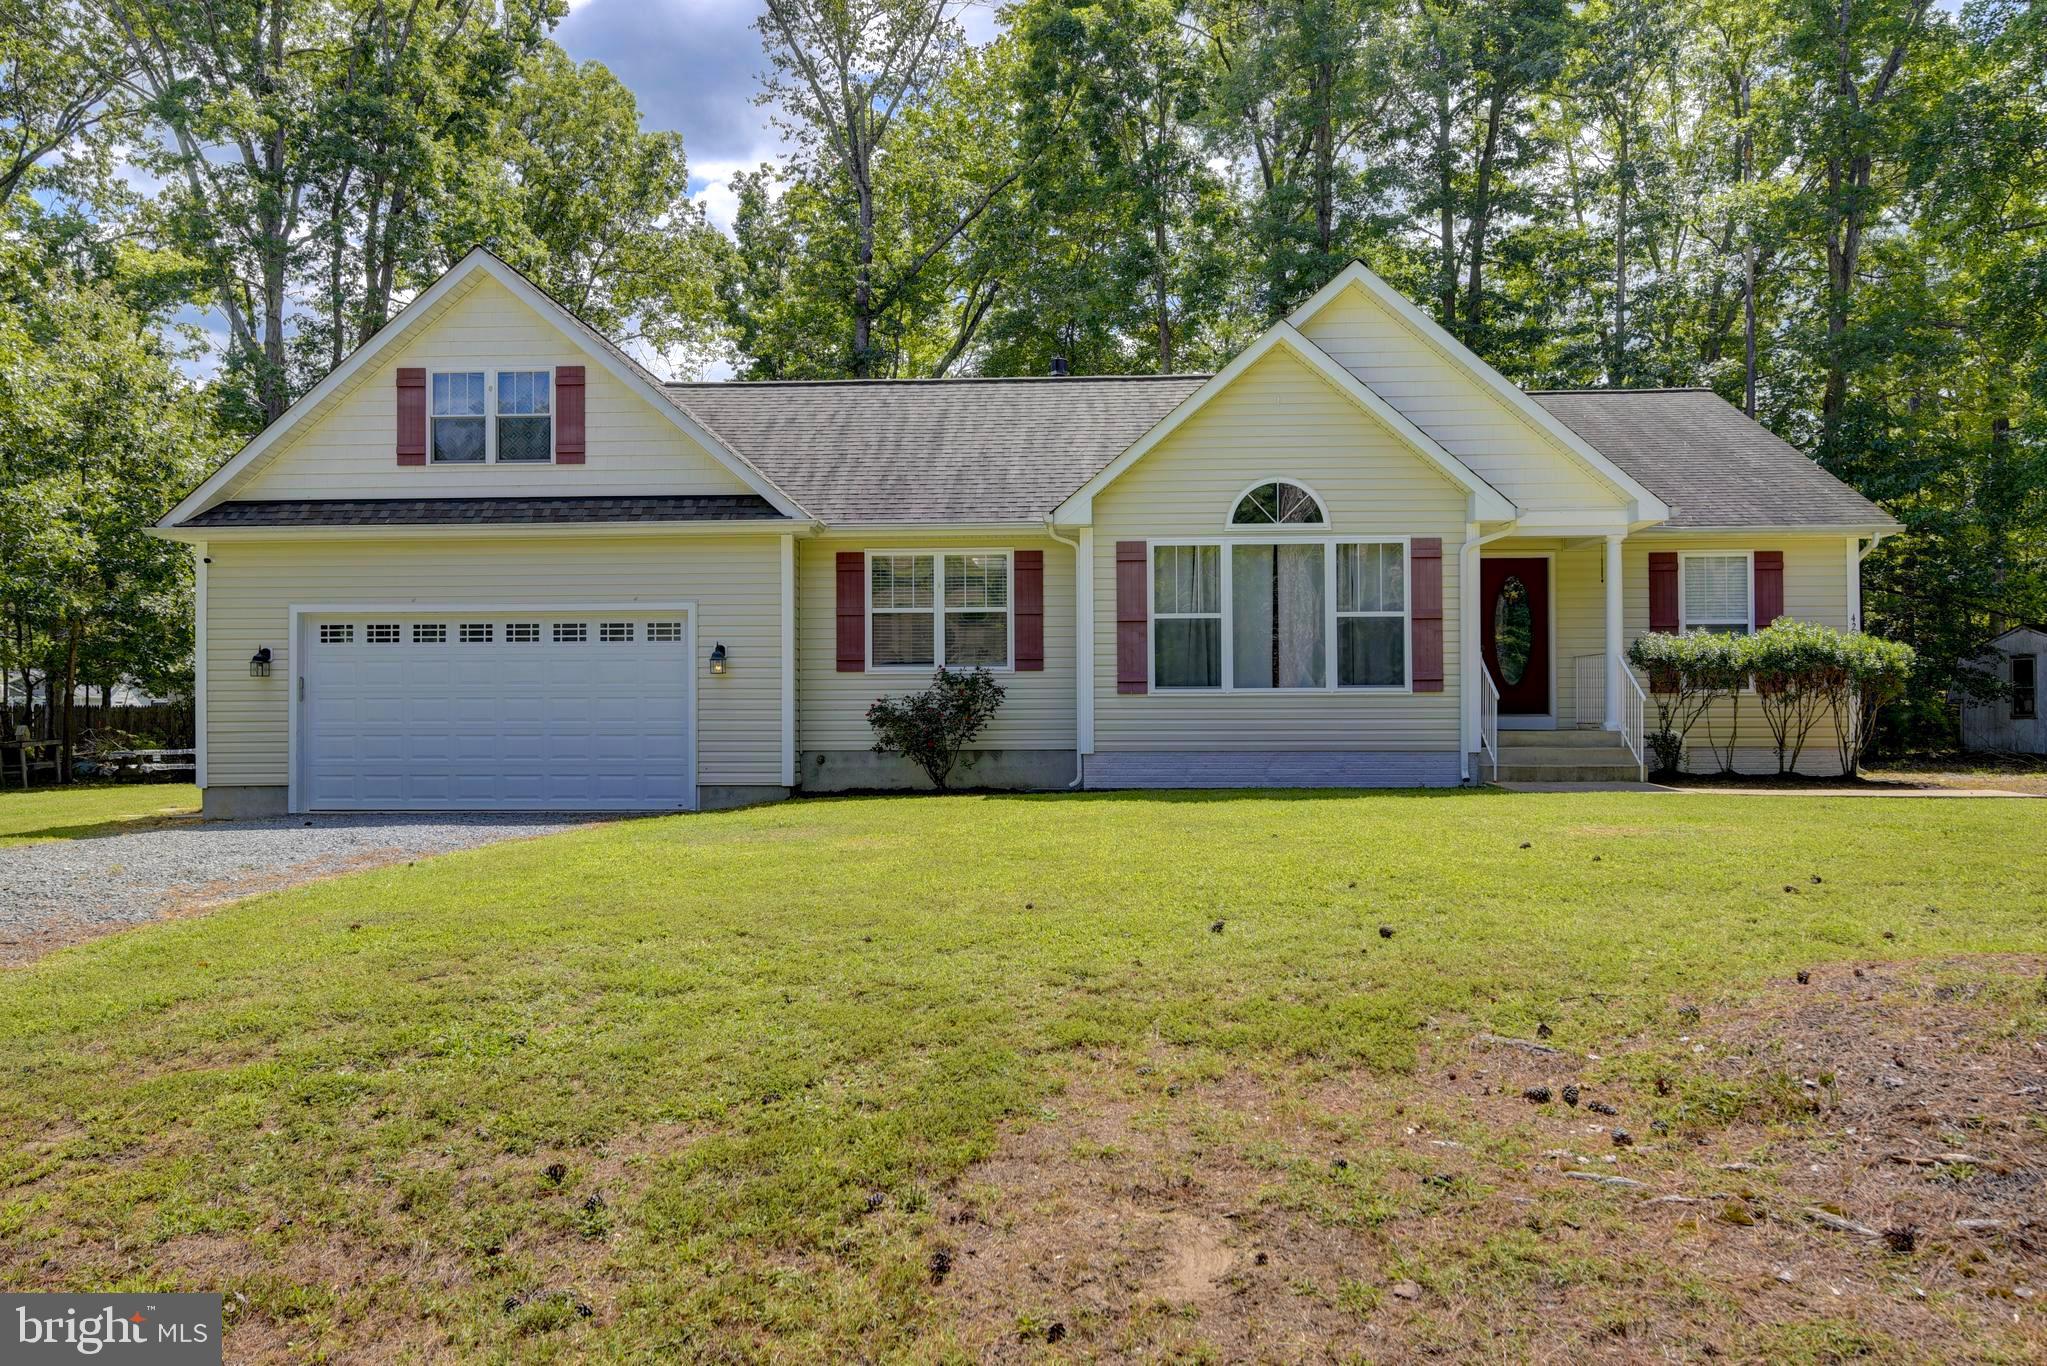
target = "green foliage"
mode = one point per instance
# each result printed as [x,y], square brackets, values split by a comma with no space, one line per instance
[99,433]
[931,727]
[1800,673]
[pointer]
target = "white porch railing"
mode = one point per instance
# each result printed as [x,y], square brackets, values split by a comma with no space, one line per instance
[1489,718]
[1634,710]
[1588,706]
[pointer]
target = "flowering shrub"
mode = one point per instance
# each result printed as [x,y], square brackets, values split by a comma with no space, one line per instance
[932,727]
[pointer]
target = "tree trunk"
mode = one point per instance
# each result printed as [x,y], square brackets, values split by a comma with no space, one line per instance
[1446,228]
[1481,215]
[70,744]
[1618,366]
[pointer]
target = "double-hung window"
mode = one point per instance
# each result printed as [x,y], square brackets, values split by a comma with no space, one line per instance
[1718,594]
[484,416]
[1244,615]
[1371,615]
[2025,687]
[1187,616]
[938,609]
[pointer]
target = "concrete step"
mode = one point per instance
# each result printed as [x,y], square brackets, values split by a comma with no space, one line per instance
[1568,773]
[1592,737]
[1568,758]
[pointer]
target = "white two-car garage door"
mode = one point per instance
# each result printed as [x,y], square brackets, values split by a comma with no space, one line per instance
[480,709]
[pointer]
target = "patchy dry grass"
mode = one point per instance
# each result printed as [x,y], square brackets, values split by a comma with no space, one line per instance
[2008,772]
[726,1086]
[1167,1204]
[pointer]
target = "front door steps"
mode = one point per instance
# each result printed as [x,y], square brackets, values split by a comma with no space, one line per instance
[1565,756]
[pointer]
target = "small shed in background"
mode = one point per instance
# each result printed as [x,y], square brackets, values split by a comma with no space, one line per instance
[2010,724]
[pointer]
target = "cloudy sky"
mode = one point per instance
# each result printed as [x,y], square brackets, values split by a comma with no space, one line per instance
[695,66]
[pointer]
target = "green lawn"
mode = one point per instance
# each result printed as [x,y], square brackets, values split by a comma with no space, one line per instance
[70,812]
[343,1102]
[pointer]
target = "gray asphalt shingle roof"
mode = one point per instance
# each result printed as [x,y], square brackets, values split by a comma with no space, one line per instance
[271,512]
[960,450]
[1715,467]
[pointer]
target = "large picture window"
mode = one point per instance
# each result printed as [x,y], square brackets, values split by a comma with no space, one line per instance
[938,609]
[1247,616]
[1718,594]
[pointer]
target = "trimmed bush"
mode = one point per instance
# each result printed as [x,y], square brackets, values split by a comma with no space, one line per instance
[1800,672]
[932,727]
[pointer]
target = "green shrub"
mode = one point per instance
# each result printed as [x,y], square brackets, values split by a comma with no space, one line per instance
[1795,667]
[1687,675]
[1800,673]
[932,727]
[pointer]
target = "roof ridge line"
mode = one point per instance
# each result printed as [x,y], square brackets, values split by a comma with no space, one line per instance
[933,380]
[1605,390]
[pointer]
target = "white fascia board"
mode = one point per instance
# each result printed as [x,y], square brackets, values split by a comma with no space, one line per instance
[1648,507]
[1487,502]
[478,261]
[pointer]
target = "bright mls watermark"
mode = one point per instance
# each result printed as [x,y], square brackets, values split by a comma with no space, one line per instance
[163,1330]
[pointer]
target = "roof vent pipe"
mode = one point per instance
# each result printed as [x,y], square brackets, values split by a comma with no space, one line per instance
[1058,367]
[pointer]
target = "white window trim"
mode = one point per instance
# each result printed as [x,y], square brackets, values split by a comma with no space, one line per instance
[938,610]
[1684,615]
[1304,529]
[491,415]
[1330,615]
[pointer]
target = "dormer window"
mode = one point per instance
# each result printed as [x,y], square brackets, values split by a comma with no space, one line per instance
[503,416]
[1277,503]
[460,427]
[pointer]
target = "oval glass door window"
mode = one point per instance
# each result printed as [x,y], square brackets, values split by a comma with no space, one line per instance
[1513,630]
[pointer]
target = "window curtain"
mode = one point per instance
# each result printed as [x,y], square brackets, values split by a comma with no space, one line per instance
[1277,621]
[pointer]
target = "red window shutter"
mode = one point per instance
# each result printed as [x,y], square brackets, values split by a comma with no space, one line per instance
[1030,611]
[1663,591]
[568,421]
[1769,586]
[852,612]
[411,416]
[1425,566]
[1133,672]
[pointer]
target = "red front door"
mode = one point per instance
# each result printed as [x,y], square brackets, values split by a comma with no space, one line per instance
[1513,612]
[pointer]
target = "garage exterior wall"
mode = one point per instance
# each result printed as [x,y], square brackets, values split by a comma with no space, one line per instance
[1279,420]
[831,707]
[735,582]
[349,450]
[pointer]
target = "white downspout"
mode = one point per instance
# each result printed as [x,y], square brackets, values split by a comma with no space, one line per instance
[1083,646]
[1857,553]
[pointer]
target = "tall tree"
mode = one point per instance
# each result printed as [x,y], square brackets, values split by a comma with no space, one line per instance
[843,77]
[273,110]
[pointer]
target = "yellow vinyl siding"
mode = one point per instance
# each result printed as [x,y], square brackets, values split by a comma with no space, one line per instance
[735,582]
[1472,422]
[1279,420]
[350,449]
[831,708]
[1815,590]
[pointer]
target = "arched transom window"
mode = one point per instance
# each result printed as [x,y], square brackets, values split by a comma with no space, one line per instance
[1278,503]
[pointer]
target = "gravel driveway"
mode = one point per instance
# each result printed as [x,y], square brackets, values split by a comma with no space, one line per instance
[64,890]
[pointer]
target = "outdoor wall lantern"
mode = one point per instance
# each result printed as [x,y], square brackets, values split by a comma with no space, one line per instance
[259,663]
[718,658]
